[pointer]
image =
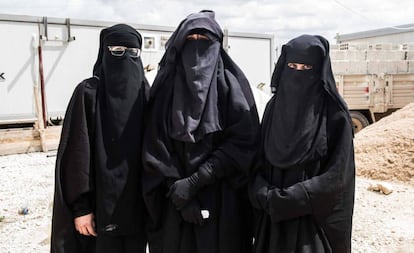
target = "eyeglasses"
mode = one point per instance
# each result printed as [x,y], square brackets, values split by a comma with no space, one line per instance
[120,51]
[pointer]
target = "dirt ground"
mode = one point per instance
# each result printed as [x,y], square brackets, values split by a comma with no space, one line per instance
[385,150]
[382,223]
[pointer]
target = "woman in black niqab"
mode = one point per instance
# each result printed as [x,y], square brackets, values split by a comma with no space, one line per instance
[303,190]
[199,145]
[98,167]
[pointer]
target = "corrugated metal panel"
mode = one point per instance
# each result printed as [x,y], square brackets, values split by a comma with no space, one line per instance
[402,90]
[355,90]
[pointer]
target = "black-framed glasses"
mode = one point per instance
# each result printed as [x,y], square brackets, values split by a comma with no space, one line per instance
[120,51]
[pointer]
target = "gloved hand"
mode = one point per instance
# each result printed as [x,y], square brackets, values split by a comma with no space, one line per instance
[288,203]
[258,193]
[191,213]
[183,190]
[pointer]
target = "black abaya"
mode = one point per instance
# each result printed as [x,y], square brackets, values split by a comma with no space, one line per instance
[303,191]
[218,132]
[98,167]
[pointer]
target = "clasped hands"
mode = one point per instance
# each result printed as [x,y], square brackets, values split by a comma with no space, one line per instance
[279,204]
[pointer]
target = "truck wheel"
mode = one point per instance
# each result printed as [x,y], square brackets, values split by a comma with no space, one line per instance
[359,121]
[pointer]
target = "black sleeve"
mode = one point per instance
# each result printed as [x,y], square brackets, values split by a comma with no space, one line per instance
[336,184]
[74,154]
[319,194]
[82,205]
[292,202]
[63,235]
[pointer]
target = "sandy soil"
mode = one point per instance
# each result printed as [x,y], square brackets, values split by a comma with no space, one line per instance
[26,181]
[385,150]
[382,223]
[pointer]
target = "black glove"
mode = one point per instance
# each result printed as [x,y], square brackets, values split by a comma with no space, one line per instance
[191,213]
[183,190]
[258,193]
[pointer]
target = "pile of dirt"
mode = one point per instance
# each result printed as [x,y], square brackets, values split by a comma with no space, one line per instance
[385,150]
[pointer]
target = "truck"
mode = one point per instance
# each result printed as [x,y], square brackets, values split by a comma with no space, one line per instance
[374,79]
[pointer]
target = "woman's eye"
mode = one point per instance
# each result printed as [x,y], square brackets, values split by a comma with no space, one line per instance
[299,66]
[292,65]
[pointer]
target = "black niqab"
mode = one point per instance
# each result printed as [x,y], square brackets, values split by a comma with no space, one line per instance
[194,109]
[120,76]
[119,117]
[296,129]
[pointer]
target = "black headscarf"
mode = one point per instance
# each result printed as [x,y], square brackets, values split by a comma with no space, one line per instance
[119,115]
[121,77]
[295,122]
[194,111]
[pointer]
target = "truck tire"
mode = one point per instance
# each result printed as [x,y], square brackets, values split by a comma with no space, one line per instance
[359,121]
